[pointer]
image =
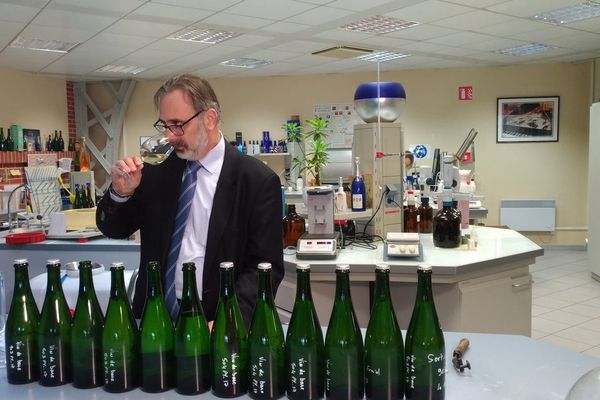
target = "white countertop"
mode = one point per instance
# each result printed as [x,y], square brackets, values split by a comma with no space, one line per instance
[495,245]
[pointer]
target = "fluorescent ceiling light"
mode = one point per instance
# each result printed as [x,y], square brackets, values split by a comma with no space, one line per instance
[209,36]
[122,69]
[379,25]
[566,15]
[43,45]
[381,56]
[246,62]
[524,49]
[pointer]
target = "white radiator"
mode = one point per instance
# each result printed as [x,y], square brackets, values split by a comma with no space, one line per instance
[528,215]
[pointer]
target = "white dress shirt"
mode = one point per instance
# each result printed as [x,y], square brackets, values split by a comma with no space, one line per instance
[193,244]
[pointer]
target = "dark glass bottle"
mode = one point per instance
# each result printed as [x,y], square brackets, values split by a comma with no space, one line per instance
[61,142]
[2,140]
[83,195]
[293,227]
[49,143]
[266,346]
[304,347]
[228,341]
[344,367]
[446,227]
[156,337]
[425,216]
[10,143]
[21,330]
[71,146]
[120,340]
[192,339]
[86,333]
[88,195]
[359,192]
[384,347]
[411,215]
[425,350]
[54,333]
[77,202]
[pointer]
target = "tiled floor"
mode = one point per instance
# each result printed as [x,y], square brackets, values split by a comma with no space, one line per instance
[566,301]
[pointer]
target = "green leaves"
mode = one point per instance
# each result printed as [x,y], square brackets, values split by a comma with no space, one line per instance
[313,133]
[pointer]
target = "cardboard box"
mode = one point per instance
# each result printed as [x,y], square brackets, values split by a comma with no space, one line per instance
[80,218]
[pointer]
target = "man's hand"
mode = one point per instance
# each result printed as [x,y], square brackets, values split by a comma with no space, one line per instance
[126,175]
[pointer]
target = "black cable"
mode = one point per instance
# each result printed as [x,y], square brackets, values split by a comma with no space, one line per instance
[376,211]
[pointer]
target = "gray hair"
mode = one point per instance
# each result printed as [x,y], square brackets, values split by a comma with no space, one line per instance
[202,94]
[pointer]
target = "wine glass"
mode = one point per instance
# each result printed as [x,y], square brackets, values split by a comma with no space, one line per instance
[156,149]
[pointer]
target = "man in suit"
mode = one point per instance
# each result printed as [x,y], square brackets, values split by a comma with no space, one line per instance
[234,213]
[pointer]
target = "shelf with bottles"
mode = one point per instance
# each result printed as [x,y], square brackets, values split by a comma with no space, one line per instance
[20,157]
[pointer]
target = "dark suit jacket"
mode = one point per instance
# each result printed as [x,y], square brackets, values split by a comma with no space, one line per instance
[245,225]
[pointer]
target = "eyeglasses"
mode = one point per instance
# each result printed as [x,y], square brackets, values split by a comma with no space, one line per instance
[176,129]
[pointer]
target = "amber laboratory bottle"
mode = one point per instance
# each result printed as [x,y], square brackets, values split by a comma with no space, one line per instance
[446,227]
[425,212]
[411,220]
[293,227]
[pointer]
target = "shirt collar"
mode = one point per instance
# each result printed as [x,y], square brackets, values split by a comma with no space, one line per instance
[214,158]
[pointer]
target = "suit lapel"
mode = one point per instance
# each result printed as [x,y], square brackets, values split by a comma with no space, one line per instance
[222,205]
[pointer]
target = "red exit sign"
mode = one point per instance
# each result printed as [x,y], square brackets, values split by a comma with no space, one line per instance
[465,92]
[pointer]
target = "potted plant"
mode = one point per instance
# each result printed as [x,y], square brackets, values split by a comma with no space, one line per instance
[314,152]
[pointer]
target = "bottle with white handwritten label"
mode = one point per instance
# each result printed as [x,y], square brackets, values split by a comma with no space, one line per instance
[344,368]
[54,333]
[304,344]
[266,347]
[384,348]
[21,330]
[228,341]
[425,351]
[120,338]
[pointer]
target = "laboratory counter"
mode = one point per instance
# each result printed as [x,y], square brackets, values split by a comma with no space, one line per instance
[483,290]
[503,367]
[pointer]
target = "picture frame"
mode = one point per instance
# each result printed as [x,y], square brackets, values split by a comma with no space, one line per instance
[527,119]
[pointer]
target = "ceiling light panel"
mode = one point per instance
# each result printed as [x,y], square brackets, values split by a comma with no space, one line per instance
[56,46]
[378,25]
[246,62]
[209,36]
[566,15]
[525,49]
[122,69]
[381,56]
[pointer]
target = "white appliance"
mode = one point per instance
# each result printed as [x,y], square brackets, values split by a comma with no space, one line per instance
[594,191]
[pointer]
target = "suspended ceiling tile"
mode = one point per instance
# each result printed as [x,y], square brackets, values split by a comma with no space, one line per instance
[428,11]
[511,27]
[473,20]
[272,9]
[591,25]
[114,6]
[544,33]
[216,71]
[301,46]
[11,28]
[461,38]
[64,33]
[270,55]
[577,40]
[27,60]
[310,60]
[422,32]
[382,42]
[365,5]
[478,3]
[343,36]
[434,48]
[284,27]
[172,11]
[320,15]
[17,13]
[248,40]
[180,46]
[131,42]
[77,20]
[317,2]
[102,54]
[235,22]
[148,58]
[496,44]
[143,28]
[214,5]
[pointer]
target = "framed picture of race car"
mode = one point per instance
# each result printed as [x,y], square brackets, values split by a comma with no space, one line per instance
[527,119]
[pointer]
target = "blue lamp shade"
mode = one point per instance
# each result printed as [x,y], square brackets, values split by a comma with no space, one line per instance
[389,103]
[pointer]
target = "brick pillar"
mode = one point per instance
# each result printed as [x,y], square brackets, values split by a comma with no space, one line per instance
[71,111]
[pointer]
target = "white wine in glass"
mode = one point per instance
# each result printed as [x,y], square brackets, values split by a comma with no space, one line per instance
[156,149]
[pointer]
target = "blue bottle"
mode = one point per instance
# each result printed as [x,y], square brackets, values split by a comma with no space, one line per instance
[359,193]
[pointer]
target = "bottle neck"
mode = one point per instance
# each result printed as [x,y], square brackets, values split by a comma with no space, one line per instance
[21,278]
[53,284]
[86,284]
[342,286]
[227,285]
[424,291]
[357,169]
[303,286]
[265,292]
[382,286]
[154,284]
[189,294]
[292,210]
[117,284]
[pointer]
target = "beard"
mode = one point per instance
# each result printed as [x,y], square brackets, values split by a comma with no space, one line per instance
[195,150]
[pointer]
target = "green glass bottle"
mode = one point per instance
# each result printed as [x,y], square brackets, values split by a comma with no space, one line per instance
[157,337]
[384,347]
[86,333]
[20,333]
[304,344]
[54,332]
[228,341]
[266,345]
[344,367]
[120,340]
[192,339]
[77,203]
[425,351]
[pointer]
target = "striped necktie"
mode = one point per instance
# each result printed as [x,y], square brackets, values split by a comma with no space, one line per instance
[188,186]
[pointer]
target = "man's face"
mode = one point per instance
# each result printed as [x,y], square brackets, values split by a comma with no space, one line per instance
[176,107]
